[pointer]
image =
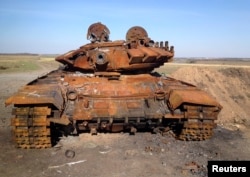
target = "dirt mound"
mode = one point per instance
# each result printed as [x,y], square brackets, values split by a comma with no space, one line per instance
[229,86]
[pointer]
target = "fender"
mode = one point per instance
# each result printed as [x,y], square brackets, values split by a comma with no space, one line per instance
[34,94]
[193,96]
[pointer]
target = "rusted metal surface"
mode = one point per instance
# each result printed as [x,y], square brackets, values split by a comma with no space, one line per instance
[33,94]
[31,127]
[196,97]
[137,34]
[98,32]
[138,52]
[108,86]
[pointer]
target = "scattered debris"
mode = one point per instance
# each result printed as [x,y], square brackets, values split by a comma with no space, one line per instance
[70,153]
[19,157]
[105,149]
[69,164]
[155,149]
[194,168]
[89,145]
[58,146]
[164,164]
[131,152]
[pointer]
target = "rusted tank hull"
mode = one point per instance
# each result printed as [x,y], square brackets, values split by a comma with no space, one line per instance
[90,103]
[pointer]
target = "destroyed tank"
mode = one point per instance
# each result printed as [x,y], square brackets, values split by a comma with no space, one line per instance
[110,86]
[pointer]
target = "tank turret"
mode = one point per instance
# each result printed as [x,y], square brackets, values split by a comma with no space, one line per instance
[137,54]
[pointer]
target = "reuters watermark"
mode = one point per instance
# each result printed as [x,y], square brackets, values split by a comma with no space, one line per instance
[228,168]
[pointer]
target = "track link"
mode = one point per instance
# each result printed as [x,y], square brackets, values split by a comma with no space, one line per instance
[31,128]
[196,131]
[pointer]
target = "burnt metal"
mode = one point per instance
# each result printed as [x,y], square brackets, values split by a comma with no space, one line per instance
[98,32]
[70,154]
[109,86]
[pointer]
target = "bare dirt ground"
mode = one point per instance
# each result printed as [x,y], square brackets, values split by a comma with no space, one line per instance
[144,154]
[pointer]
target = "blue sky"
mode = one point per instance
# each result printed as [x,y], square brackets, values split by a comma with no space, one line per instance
[215,28]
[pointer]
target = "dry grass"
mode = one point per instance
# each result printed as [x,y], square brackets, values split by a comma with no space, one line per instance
[169,68]
[24,63]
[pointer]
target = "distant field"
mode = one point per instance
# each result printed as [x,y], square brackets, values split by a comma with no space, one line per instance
[219,61]
[25,63]
[169,68]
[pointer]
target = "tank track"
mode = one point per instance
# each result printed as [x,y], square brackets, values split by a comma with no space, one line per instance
[195,130]
[31,127]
